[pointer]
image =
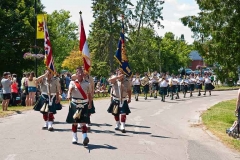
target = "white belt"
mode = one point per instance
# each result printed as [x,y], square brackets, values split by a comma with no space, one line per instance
[124,99]
[52,94]
[79,106]
[79,100]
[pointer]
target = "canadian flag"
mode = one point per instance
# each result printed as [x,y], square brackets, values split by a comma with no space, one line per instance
[83,46]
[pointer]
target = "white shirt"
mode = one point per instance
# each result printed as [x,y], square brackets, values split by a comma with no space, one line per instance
[136,81]
[163,83]
[175,81]
[192,80]
[207,80]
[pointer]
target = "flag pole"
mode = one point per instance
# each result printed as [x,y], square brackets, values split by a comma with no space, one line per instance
[35,40]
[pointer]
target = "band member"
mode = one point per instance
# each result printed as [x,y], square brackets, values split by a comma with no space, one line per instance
[175,87]
[145,84]
[199,81]
[191,84]
[168,77]
[49,100]
[155,84]
[163,83]
[121,93]
[80,94]
[184,85]
[90,80]
[136,86]
[207,84]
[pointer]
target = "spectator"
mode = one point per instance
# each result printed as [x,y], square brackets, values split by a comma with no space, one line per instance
[98,88]
[23,82]
[238,105]
[103,90]
[62,83]
[64,95]
[67,80]
[14,91]
[32,88]
[6,84]
[26,90]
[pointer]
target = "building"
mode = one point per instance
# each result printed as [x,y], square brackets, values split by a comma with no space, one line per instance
[196,60]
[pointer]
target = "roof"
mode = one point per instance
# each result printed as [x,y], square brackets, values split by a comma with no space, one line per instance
[194,55]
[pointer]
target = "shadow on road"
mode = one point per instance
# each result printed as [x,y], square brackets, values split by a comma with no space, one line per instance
[162,137]
[99,125]
[135,132]
[105,146]
[123,135]
[62,130]
[57,122]
[130,125]
[170,102]
[104,131]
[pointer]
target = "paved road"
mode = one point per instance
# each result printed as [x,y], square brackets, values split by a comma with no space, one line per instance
[155,130]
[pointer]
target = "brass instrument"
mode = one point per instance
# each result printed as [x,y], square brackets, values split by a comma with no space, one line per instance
[144,81]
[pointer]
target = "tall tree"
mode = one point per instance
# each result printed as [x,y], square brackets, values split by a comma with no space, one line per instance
[63,35]
[216,31]
[17,34]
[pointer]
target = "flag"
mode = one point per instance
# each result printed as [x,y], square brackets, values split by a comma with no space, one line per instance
[40,27]
[121,56]
[83,46]
[48,49]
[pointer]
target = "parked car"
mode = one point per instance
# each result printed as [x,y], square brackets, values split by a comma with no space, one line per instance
[238,82]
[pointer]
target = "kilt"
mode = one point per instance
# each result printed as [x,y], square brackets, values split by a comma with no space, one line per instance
[145,89]
[44,100]
[92,110]
[84,113]
[163,91]
[184,88]
[121,110]
[170,88]
[155,86]
[209,86]
[199,86]
[175,88]
[191,87]
[136,89]
[178,87]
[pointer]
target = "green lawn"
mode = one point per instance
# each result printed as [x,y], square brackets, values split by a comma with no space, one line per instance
[13,110]
[220,117]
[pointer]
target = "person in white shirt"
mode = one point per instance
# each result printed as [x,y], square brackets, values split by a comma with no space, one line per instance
[199,81]
[136,85]
[175,87]
[154,81]
[207,84]
[191,84]
[184,85]
[163,83]
[145,84]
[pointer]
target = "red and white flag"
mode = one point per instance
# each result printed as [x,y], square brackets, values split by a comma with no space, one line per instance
[48,49]
[83,46]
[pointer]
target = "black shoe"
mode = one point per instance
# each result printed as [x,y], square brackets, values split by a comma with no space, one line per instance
[145,98]
[44,128]
[74,142]
[204,94]
[85,141]
[50,129]
[123,131]
[137,99]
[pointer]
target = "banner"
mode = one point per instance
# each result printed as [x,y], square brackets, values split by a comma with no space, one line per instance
[121,55]
[40,25]
[83,46]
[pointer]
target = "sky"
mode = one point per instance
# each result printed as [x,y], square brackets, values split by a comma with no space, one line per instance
[172,11]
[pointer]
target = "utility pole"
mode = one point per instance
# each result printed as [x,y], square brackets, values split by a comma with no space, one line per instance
[111,38]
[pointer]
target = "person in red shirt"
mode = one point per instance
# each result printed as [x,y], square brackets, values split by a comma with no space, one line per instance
[14,91]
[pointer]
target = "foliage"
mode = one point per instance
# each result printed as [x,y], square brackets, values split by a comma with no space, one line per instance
[218,118]
[63,36]
[74,60]
[216,33]
[151,51]
[17,34]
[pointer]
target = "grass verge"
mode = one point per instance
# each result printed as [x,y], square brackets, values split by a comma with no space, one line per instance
[220,117]
[13,110]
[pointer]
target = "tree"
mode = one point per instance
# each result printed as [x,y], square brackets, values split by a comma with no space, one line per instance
[63,36]
[74,60]
[216,31]
[17,34]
